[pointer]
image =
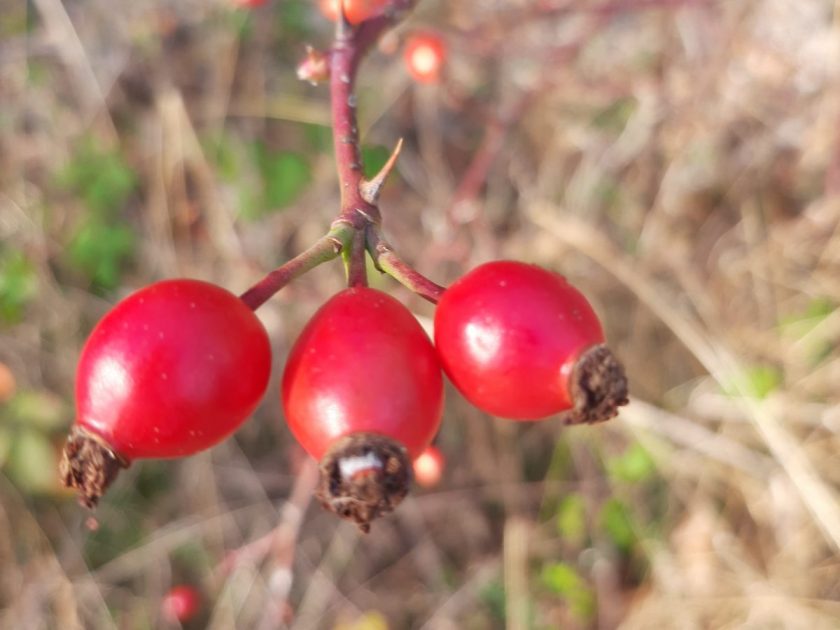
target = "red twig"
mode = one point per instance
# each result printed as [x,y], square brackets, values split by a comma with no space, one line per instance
[359,211]
[324,249]
[388,261]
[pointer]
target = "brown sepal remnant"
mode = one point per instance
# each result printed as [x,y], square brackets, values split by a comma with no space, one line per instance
[372,492]
[598,386]
[88,466]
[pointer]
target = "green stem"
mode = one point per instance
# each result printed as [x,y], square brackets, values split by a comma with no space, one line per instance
[325,248]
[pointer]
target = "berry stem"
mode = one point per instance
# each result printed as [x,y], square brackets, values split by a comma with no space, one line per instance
[389,262]
[344,61]
[359,209]
[325,248]
[350,46]
[355,262]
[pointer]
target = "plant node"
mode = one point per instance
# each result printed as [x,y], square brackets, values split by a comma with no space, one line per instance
[598,387]
[89,466]
[364,476]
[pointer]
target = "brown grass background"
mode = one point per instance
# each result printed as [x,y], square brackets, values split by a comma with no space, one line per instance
[679,161]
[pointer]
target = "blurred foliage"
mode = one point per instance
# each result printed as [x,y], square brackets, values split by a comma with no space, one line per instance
[373,159]
[284,175]
[368,620]
[102,243]
[757,381]
[102,179]
[571,519]
[16,19]
[617,523]
[804,328]
[31,424]
[635,465]
[18,284]
[494,599]
[121,522]
[100,250]
[564,580]
[294,19]
[614,116]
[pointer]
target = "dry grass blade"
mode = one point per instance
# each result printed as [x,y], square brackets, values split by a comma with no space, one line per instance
[719,361]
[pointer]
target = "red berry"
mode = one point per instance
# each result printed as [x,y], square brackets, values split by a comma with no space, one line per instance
[171,370]
[180,604]
[428,467]
[249,4]
[520,342]
[425,54]
[356,11]
[363,393]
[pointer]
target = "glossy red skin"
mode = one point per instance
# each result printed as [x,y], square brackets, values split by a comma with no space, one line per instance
[171,370]
[355,10]
[363,364]
[508,335]
[436,49]
[180,604]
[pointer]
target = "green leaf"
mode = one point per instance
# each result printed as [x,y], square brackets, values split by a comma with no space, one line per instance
[373,159]
[33,463]
[5,444]
[571,519]
[318,136]
[285,176]
[756,381]
[617,523]
[222,153]
[633,466]
[39,409]
[493,597]
[614,116]
[799,326]
[100,251]
[102,179]
[294,18]
[17,286]
[763,379]
[564,580]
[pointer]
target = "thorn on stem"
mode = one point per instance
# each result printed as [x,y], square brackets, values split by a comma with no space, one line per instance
[371,189]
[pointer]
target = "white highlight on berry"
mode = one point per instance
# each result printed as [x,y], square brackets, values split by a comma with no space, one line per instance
[349,467]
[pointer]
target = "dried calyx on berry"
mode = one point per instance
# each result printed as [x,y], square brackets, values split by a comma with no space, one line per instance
[598,387]
[364,476]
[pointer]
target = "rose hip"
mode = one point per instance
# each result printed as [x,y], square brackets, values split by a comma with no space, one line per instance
[172,370]
[363,393]
[520,342]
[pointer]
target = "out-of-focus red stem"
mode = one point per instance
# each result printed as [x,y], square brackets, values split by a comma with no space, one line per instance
[514,18]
